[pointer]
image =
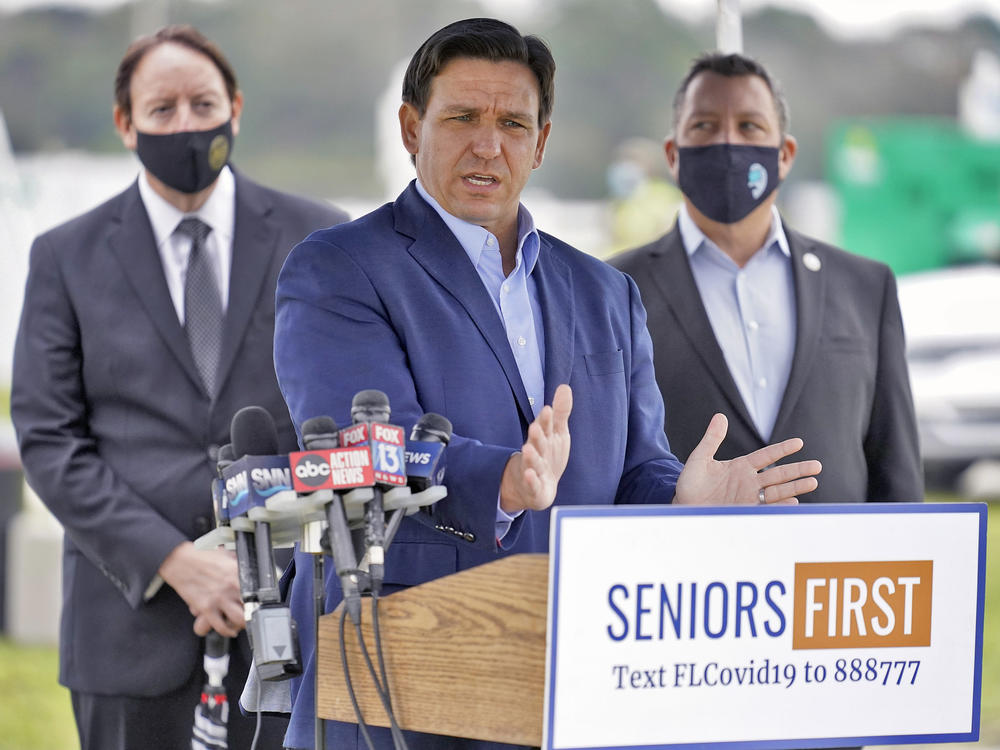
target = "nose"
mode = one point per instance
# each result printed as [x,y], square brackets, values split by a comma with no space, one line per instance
[730,133]
[486,142]
[185,120]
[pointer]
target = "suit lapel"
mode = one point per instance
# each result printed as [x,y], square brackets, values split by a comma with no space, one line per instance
[134,245]
[554,281]
[671,273]
[440,254]
[253,248]
[810,292]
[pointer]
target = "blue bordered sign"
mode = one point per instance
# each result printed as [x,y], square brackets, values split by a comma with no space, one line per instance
[777,627]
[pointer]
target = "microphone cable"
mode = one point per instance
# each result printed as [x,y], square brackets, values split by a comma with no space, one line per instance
[381,688]
[350,684]
[259,711]
[397,733]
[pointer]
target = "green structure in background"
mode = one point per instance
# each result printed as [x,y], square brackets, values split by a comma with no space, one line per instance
[914,193]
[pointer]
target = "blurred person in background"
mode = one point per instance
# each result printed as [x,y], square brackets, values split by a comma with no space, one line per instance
[784,334]
[147,322]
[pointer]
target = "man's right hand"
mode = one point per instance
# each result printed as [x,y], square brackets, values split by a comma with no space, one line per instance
[531,477]
[208,581]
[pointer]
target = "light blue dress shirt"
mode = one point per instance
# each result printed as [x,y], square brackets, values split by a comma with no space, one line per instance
[752,312]
[515,298]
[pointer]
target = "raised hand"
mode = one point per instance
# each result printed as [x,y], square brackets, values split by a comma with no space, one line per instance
[745,480]
[531,477]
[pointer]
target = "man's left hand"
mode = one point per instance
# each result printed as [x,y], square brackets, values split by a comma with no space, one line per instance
[745,480]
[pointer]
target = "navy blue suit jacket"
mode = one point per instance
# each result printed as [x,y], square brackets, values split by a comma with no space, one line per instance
[391,301]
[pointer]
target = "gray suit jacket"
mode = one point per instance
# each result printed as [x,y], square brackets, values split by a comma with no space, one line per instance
[117,435]
[848,394]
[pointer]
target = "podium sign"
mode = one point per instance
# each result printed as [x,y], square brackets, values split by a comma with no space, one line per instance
[764,627]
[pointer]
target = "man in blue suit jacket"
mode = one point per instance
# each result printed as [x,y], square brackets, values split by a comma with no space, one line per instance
[450,301]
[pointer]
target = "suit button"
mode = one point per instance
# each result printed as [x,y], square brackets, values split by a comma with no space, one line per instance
[213,452]
[202,525]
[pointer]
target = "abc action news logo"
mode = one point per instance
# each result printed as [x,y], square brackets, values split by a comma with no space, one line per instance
[828,605]
[365,458]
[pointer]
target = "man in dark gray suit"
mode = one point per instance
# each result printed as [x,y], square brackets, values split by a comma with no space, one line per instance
[147,323]
[784,334]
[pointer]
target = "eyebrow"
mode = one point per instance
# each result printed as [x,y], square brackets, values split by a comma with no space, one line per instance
[459,109]
[756,114]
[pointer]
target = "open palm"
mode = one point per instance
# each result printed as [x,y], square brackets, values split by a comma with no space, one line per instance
[706,481]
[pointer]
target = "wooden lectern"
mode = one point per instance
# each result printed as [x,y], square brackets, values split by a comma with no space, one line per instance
[465,655]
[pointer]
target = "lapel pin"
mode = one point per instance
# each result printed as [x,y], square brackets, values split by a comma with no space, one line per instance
[810,261]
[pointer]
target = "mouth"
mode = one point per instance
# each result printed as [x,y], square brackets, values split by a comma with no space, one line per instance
[480,180]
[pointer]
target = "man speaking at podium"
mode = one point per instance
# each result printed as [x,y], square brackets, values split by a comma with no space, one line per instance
[450,300]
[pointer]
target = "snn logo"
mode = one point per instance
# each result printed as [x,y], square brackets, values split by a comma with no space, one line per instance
[862,604]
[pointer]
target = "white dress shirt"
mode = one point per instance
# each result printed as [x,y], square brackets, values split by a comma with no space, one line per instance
[752,312]
[219,212]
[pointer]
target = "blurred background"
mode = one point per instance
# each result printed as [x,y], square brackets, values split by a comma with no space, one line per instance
[896,106]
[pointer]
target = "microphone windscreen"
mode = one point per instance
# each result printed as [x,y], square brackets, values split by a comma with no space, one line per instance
[370,406]
[253,433]
[226,453]
[432,428]
[319,432]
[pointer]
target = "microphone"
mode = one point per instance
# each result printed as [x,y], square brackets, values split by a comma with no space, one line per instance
[220,503]
[321,439]
[255,439]
[370,413]
[212,713]
[246,553]
[425,452]
[425,467]
[250,480]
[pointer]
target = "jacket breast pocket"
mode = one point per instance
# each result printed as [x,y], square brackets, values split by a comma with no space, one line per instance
[605,363]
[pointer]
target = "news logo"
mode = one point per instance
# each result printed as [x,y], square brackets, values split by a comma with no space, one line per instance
[338,469]
[310,471]
[386,443]
[251,480]
[351,467]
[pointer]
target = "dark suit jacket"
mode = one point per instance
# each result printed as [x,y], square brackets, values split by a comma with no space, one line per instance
[848,393]
[116,433]
[391,301]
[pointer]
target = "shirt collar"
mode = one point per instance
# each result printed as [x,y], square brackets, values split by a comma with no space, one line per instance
[219,211]
[692,237]
[472,237]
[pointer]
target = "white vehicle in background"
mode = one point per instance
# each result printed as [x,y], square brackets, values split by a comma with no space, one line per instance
[952,323]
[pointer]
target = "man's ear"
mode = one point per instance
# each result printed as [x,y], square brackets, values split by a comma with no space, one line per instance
[409,127]
[670,149]
[123,124]
[237,105]
[786,156]
[543,137]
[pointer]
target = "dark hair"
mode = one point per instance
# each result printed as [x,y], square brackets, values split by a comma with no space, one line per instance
[486,39]
[731,66]
[184,35]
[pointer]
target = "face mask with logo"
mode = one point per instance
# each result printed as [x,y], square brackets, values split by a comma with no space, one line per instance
[188,162]
[727,181]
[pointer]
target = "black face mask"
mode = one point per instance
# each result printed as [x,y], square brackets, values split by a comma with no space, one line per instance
[726,181]
[188,161]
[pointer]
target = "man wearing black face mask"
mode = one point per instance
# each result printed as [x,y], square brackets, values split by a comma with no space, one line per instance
[147,323]
[784,334]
